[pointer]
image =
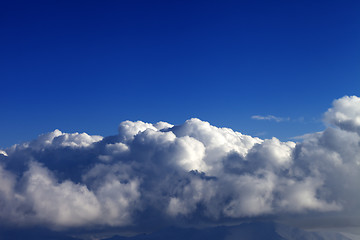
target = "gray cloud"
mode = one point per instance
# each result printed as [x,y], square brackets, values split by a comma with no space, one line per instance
[190,171]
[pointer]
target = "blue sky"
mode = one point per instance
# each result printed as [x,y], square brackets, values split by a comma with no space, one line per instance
[88,65]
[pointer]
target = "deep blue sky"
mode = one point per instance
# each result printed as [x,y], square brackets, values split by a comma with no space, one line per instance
[88,65]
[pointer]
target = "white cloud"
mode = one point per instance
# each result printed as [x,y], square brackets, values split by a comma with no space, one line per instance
[269,118]
[345,113]
[57,139]
[194,170]
[3,153]
[64,204]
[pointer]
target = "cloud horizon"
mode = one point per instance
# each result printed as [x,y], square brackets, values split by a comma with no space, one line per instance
[161,172]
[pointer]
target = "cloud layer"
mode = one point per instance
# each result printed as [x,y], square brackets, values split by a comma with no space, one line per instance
[193,170]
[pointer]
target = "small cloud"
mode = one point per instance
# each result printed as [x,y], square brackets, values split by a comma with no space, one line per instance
[269,118]
[260,134]
[305,136]
[3,153]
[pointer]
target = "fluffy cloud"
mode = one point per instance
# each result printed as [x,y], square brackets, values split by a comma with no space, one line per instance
[190,171]
[345,113]
[64,204]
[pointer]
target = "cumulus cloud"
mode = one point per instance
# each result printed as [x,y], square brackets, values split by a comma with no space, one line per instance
[269,118]
[189,171]
[345,113]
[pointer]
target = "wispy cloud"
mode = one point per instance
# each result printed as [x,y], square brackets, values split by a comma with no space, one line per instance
[305,136]
[270,118]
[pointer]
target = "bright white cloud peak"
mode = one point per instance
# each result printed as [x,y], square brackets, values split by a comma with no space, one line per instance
[193,170]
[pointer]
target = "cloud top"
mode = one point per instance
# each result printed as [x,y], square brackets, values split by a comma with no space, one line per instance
[190,171]
[345,113]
